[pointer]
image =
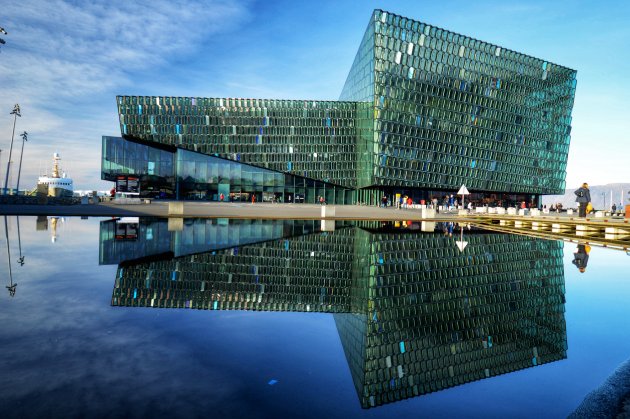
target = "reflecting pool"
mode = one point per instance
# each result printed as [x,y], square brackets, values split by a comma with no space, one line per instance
[271,318]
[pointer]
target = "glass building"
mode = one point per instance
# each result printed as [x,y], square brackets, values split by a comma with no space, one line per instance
[414,314]
[423,111]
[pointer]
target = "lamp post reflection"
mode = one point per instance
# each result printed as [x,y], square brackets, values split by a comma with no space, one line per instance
[21,258]
[11,287]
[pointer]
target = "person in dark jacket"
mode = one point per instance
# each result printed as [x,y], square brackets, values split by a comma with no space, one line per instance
[583,198]
[580,258]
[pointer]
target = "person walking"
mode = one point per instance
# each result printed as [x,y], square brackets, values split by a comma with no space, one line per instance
[221,197]
[583,198]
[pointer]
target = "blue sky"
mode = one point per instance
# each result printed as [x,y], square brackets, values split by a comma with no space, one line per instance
[65,61]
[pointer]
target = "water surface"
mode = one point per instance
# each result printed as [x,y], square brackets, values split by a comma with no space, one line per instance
[262,319]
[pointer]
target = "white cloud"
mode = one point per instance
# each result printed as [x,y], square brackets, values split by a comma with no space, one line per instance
[64,62]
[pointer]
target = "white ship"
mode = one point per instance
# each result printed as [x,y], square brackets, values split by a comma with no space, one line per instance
[57,184]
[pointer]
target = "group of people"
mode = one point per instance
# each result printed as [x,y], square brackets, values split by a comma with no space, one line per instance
[616,208]
[403,201]
[554,207]
[583,199]
[222,197]
[448,202]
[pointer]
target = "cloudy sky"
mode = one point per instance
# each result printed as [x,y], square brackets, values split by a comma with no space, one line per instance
[65,61]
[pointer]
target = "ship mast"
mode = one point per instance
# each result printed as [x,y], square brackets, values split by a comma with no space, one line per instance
[55,170]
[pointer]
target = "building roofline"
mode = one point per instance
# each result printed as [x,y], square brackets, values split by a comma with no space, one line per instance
[475,39]
[247,98]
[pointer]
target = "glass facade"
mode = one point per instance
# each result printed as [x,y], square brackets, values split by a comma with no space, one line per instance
[154,167]
[188,175]
[414,314]
[423,109]
[202,177]
[451,110]
[314,139]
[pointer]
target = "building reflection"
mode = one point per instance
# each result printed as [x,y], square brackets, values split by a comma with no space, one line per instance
[431,316]
[133,238]
[415,314]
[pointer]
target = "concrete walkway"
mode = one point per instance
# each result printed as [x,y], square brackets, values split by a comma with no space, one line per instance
[224,210]
[267,211]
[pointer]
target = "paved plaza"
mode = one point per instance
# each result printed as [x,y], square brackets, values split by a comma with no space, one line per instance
[222,210]
[254,211]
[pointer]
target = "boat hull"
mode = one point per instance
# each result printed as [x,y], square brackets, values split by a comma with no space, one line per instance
[59,192]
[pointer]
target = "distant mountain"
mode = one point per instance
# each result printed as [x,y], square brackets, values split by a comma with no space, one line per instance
[600,195]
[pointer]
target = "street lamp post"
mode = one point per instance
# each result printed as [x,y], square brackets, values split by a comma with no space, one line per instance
[15,112]
[2,31]
[24,136]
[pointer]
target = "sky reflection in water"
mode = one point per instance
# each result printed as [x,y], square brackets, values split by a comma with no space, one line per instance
[68,352]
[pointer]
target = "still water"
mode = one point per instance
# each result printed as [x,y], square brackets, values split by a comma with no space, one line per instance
[238,318]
